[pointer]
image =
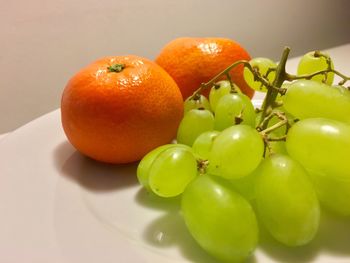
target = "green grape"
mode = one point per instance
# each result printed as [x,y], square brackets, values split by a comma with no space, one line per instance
[286,201]
[194,123]
[262,64]
[341,89]
[333,193]
[202,145]
[171,171]
[322,146]
[232,106]
[236,152]
[221,88]
[246,185]
[201,103]
[276,146]
[145,164]
[220,220]
[310,99]
[285,85]
[310,64]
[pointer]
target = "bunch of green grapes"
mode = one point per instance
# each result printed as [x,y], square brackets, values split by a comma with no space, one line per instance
[286,158]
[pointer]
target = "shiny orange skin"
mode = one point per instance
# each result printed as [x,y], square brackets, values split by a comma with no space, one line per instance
[118,117]
[192,61]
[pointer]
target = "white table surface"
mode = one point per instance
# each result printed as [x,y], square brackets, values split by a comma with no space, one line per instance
[3,135]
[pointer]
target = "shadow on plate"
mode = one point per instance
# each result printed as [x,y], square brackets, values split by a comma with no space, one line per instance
[169,230]
[152,201]
[332,238]
[90,174]
[334,234]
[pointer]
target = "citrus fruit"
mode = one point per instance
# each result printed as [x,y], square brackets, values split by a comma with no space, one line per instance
[119,108]
[192,61]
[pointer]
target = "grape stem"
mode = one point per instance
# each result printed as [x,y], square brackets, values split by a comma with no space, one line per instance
[274,127]
[269,70]
[225,72]
[273,89]
[239,118]
[279,114]
[231,83]
[202,166]
[290,77]
[277,139]
[271,95]
[318,54]
[265,133]
[329,69]
[213,81]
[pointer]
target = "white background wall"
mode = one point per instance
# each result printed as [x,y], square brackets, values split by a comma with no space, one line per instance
[43,42]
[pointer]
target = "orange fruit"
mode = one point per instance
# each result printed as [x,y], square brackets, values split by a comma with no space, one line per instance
[192,61]
[119,108]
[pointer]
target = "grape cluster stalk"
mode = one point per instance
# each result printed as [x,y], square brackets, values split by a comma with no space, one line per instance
[281,165]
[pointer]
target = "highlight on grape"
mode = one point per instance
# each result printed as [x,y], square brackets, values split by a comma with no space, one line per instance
[281,163]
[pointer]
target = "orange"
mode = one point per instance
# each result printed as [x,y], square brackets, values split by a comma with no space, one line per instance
[119,108]
[192,61]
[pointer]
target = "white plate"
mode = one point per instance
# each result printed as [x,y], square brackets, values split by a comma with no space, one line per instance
[58,206]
